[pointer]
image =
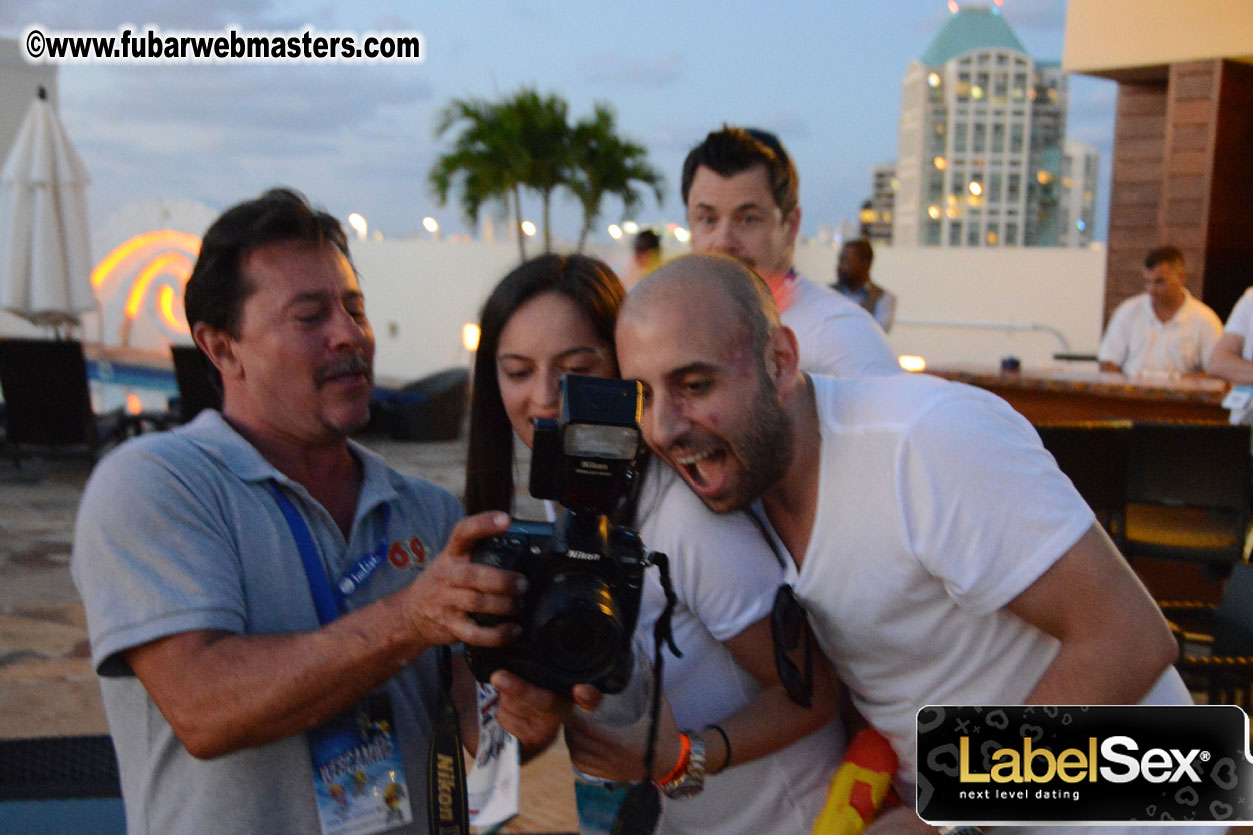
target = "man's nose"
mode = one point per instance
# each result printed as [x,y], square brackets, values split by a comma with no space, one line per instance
[664,423]
[349,331]
[724,240]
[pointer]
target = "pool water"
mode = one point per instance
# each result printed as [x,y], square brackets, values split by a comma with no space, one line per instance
[137,387]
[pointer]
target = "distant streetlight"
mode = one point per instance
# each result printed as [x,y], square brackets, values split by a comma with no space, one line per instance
[528,229]
[682,235]
[615,231]
[910,362]
[630,227]
[358,224]
[430,224]
[470,336]
[976,188]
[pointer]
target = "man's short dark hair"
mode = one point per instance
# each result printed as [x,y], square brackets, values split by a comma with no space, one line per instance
[1163,255]
[863,249]
[646,241]
[730,151]
[216,292]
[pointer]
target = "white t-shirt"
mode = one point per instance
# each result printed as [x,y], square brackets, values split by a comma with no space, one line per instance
[937,506]
[1240,322]
[836,336]
[1138,341]
[725,578]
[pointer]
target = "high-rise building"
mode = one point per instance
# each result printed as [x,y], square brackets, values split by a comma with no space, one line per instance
[980,145]
[1076,214]
[876,213]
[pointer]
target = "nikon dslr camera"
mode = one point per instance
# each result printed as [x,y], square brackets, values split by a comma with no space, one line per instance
[585,574]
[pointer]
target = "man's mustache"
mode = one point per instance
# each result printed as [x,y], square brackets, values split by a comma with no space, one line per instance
[353,364]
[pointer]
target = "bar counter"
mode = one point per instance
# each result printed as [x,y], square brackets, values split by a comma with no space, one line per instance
[1060,393]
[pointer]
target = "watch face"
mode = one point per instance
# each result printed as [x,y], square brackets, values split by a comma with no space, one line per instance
[693,781]
[686,789]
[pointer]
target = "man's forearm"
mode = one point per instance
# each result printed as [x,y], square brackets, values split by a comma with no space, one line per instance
[1234,369]
[223,692]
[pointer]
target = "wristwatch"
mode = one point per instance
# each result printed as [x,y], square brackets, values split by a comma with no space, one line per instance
[692,781]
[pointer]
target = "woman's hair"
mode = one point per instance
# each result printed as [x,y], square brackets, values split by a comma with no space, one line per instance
[596,291]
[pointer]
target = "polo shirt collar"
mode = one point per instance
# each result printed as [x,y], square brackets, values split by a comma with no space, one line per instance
[1179,314]
[212,433]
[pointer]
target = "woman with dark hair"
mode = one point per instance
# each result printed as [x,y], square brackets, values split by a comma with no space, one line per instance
[571,295]
[768,759]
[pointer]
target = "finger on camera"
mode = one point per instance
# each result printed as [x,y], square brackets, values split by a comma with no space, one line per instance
[473,528]
[476,635]
[480,602]
[587,696]
[521,694]
[491,579]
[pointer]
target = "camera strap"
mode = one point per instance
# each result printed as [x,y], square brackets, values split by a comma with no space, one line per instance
[641,810]
[447,810]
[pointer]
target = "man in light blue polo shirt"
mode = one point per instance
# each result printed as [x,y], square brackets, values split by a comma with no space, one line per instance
[262,594]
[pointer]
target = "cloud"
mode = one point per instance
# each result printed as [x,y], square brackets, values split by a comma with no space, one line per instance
[189,14]
[236,106]
[617,70]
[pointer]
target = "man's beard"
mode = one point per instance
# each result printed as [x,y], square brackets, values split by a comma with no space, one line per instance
[766,447]
[761,453]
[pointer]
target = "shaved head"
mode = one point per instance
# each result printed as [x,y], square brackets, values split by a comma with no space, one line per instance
[702,336]
[717,284]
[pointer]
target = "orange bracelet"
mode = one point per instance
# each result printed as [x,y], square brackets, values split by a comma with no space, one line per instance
[680,768]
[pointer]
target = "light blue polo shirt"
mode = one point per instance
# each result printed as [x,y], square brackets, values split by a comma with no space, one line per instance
[179,531]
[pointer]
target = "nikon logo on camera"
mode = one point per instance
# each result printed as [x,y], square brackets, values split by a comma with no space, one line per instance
[1008,765]
[581,555]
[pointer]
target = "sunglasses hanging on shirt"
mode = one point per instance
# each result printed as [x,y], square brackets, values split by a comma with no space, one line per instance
[789,628]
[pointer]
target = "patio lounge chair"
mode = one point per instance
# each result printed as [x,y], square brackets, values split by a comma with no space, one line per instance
[47,402]
[1216,642]
[60,784]
[196,391]
[430,409]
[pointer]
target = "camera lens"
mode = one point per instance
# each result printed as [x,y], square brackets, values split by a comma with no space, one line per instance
[577,626]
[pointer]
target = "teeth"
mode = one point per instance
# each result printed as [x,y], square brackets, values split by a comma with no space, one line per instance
[688,460]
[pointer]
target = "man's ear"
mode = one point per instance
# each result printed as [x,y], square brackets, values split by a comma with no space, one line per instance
[219,347]
[782,358]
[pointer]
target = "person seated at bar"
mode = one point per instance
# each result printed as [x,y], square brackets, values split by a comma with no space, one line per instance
[1164,329]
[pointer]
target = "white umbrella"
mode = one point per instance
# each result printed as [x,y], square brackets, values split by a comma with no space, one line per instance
[45,252]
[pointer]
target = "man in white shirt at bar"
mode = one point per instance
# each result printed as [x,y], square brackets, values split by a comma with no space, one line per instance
[1163,330]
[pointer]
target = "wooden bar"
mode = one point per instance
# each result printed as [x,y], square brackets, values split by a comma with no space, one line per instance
[1068,394]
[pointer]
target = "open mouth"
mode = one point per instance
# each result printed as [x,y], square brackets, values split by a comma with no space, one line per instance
[705,469]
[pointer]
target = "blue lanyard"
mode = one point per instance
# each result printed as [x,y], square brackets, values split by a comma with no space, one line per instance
[329,600]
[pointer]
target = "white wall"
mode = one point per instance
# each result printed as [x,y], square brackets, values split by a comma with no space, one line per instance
[1059,287]
[420,293]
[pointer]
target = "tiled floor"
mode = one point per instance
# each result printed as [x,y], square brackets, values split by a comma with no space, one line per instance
[47,687]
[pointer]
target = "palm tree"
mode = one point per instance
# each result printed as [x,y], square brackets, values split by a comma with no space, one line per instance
[606,164]
[541,125]
[487,158]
